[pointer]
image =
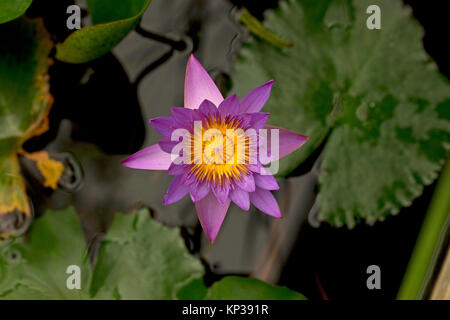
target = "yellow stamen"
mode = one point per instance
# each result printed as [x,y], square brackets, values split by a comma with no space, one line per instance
[220,160]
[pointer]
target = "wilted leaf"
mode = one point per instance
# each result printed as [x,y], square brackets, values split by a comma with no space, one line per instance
[240,288]
[24,97]
[24,105]
[12,188]
[374,93]
[112,20]
[50,169]
[15,213]
[12,9]
[142,259]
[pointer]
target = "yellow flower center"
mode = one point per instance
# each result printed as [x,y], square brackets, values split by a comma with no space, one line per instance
[219,151]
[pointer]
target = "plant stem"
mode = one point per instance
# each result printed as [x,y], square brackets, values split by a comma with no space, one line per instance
[429,241]
[178,45]
[152,66]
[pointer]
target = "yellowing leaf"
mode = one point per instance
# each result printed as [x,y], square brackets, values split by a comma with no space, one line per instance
[12,188]
[25,98]
[25,102]
[50,169]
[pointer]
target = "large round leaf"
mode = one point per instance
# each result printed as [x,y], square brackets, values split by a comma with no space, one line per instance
[142,259]
[36,268]
[139,259]
[375,94]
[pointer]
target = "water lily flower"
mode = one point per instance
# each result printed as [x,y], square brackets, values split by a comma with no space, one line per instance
[221,171]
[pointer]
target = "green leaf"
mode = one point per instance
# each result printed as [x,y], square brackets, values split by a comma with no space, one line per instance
[36,268]
[194,290]
[375,94]
[12,9]
[24,102]
[24,98]
[142,259]
[112,20]
[139,259]
[240,288]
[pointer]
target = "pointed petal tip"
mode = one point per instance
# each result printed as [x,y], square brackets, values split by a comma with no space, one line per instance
[198,85]
[255,100]
[192,57]
[211,215]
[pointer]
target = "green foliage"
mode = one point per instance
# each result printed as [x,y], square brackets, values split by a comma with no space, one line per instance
[142,259]
[239,288]
[24,94]
[112,20]
[374,96]
[12,9]
[36,268]
[138,259]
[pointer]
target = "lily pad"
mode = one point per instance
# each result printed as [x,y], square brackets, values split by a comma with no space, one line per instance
[36,268]
[142,259]
[12,9]
[374,96]
[112,20]
[138,259]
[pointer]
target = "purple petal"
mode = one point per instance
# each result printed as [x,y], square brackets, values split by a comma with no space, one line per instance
[207,108]
[255,99]
[199,86]
[266,182]
[221,193]
[255,167]
[241,198]
[176,169]
[150,158]
[246,183]
[211,214]
[182,116]
[163,125]
[265,202]
[199,191]
[177,190]
[167,145]
[289,141]
[258,120]
[229,106]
